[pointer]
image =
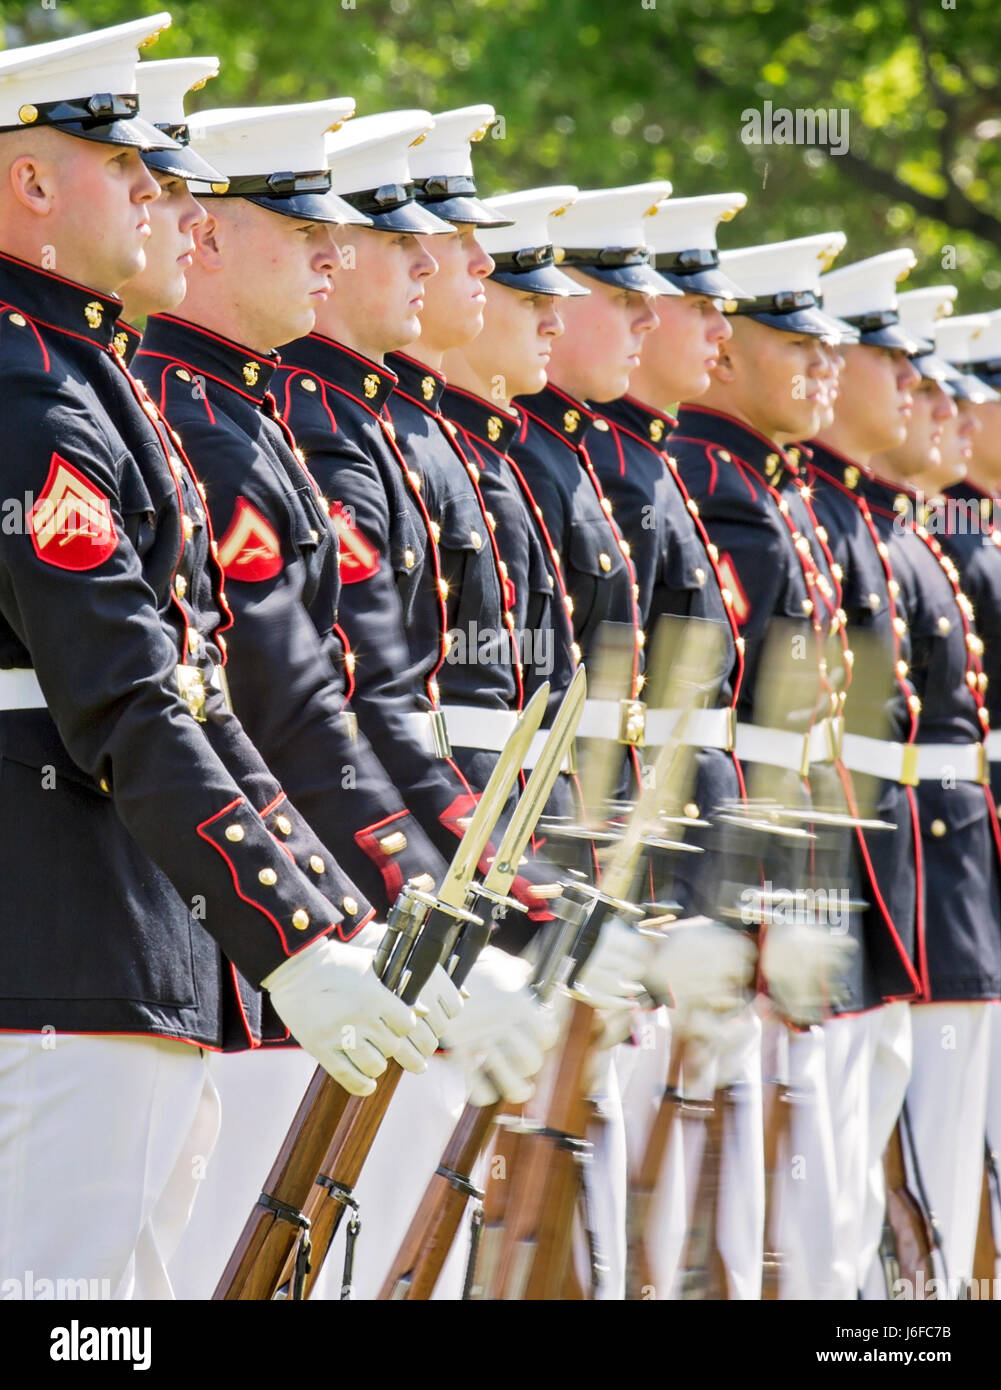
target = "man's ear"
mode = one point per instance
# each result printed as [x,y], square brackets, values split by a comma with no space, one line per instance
[32,181]
[209,237]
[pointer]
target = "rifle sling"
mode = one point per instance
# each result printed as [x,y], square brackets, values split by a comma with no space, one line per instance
[294,1217]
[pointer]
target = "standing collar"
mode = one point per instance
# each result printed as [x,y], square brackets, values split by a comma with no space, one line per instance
[565,415]
[482,419]
[61,304]
[365,381]
[422,384]
[881,495]
[769,460]
[235,366]
[632,414]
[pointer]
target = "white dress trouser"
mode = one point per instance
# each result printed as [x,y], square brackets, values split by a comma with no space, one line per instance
[947,1106]
[101,1141]
[891,1070]
[805,1184]
[259,1092]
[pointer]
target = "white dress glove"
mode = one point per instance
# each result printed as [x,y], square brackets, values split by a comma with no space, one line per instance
[330,1000]
[437,1004]
[702,963]
[613,975]
[805,966]
[503,1032]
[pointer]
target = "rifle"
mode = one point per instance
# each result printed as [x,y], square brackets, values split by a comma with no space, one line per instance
[909,1236]
[535,1258]
[985,1256]
[274,1248]
[429,1238]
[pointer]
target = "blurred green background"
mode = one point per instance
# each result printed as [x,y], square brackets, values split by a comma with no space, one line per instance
[599,92]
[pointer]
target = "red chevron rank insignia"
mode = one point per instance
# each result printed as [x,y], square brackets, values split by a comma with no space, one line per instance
[358,558]
[740,605]
[250,550]
[70,524]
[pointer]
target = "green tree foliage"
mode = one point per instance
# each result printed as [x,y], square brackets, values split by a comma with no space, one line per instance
[598,93]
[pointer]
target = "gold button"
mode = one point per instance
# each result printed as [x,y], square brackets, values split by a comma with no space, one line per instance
[724,456]
[476,538]
[268,877]
[446,642]
[474,472]
[350,905]
[193,640]
[569,603]
[443,588]
[552,579]
[893,587]
[807,606]
[902,668]
[821,531]
[180,586]
[938,828]
[691,810]
[626,549]
[641,639]
[849,657]
[740,645]
[349,663]
[317,864]
[606,506]
[575,651]
[300,919]
[600,424]
[436,532]
[914,704]
[881,549]
[409,558]
[693,506]
[783,506]
[944,624]
[182,374]
[899,626]
[982,681]
[838,572]
[971,680]
[874,601]
[188,527]
[105,787]
[713,551]
[491,521]
[283,824]
[433,691]
[234,833]
[636,592]
[17,320]
[414,479]
[700,576]
[308,384]
[393,843]
[605,561]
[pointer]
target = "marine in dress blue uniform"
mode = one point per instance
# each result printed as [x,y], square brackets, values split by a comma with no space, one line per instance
[172,856]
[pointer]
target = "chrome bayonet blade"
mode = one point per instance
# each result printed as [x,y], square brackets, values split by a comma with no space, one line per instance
[533,799]
[462,869]
[698,650]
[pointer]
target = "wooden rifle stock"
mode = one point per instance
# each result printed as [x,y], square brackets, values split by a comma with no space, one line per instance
[341,1166]
[643,1189]
[540,1221]
[268,1241]
[776,1121]
[912,1234]
[703,1274]
[985,1255]
[429,1238]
